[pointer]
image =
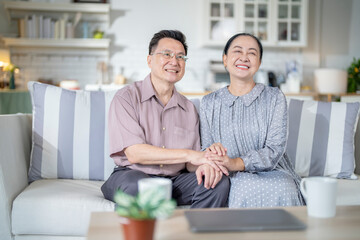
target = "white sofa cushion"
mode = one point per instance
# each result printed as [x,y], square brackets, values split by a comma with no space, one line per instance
[321,138]
[70,134]
[58,207]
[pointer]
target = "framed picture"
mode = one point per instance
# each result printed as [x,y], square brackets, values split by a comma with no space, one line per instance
[90,1]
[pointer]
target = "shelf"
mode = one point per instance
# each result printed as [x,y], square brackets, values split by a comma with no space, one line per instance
[102,8]
[61,43]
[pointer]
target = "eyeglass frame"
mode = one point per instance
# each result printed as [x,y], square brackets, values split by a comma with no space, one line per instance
[171,55]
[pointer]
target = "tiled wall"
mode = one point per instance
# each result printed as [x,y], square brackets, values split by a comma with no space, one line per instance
[69,65]
[57,67]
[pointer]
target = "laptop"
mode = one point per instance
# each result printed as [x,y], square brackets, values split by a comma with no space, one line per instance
[242,220]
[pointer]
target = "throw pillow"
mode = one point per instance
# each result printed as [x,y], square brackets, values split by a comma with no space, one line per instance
[70,134]
[321,138]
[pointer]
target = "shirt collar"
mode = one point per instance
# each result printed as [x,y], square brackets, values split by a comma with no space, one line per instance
[147,89]
[247,98]
[148,92]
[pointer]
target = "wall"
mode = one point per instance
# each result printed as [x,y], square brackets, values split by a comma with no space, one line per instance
[134,29]
[332,42]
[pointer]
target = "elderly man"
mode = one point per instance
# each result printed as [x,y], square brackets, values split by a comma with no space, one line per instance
[154,132]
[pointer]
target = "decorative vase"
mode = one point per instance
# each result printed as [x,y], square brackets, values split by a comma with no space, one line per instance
[139,229]
[12,80]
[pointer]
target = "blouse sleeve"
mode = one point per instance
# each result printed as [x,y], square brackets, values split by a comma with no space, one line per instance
[205,122]
[267,158]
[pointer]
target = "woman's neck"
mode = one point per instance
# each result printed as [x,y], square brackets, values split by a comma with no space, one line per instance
[240,87]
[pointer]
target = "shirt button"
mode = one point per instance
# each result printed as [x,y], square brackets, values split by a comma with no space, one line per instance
[163,128]
[161,165]
[163,146]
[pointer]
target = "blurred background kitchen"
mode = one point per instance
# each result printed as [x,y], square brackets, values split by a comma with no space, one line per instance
[104,45]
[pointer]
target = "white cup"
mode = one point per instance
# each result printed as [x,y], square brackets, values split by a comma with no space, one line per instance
[320,195]
[163,186]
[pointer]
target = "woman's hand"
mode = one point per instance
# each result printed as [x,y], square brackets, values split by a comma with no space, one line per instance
[212,159]
[211,176]
[217,148]
[232,164]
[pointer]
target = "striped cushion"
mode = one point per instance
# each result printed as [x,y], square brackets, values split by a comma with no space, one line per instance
[70,138]
[321,138]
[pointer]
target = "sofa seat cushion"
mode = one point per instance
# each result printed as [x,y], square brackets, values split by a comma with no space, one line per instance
[348,192]
[58,207]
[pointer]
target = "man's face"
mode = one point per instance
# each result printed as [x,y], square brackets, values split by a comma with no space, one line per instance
[165,68]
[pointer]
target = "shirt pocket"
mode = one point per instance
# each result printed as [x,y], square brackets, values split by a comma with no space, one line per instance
[184,138]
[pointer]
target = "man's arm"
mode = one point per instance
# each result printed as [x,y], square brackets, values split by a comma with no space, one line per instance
[148,154]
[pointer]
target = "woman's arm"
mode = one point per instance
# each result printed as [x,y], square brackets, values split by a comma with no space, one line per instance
[268,157]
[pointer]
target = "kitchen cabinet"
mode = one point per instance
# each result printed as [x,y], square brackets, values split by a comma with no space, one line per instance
[277,23]
[62,18]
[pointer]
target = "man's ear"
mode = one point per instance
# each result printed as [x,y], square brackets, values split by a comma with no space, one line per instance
[149,60]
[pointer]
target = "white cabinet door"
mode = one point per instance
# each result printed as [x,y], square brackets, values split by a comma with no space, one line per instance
[220,21]
[291,22]
[256,19]
[275,22]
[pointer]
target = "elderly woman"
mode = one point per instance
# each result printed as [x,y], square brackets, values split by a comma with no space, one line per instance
[245,123]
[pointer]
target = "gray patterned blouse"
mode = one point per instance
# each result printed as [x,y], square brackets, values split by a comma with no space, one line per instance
[252,126]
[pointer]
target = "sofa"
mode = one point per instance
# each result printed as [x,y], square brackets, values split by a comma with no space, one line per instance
[60,208]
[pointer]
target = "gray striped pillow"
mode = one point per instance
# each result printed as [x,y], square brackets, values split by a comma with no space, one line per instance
[70,138]
[321,138]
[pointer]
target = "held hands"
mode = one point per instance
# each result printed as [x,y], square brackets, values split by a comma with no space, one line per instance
[217,164]
[218,149]
[217,153]
[212,159]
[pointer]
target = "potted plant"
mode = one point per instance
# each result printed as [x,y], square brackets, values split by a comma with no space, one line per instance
[354,76]
[11,68]
[141,212]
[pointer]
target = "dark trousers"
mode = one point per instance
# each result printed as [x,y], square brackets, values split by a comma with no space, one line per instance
[185,189]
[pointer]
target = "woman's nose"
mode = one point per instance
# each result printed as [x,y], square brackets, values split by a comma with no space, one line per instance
[244,58]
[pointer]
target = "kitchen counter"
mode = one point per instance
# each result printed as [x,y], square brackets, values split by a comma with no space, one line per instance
[15,101]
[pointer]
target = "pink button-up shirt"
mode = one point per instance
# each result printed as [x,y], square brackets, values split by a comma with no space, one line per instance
[137,116]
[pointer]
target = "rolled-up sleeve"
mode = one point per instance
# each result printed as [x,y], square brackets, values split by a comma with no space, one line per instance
[124,127]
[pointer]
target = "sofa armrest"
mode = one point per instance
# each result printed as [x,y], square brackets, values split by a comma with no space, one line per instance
[15,147]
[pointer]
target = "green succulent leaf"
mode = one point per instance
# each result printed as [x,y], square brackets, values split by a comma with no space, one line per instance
[123,200]
[165,209]
[146,205]
[122,212]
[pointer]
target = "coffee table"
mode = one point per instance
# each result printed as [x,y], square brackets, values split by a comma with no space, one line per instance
[346,225]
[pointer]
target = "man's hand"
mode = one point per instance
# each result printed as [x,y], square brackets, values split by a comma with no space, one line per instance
[211,176]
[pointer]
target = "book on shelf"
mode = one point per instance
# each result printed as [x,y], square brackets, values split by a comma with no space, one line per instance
[40,26]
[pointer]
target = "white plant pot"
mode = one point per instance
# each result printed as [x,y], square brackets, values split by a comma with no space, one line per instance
[332,81]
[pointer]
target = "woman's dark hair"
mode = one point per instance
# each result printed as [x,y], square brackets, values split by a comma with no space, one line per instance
[243,34]
[174,34]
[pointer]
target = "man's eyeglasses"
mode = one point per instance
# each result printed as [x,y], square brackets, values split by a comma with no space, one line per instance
[169,55]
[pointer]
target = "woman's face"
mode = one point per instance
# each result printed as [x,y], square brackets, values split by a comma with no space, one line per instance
[243,58]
